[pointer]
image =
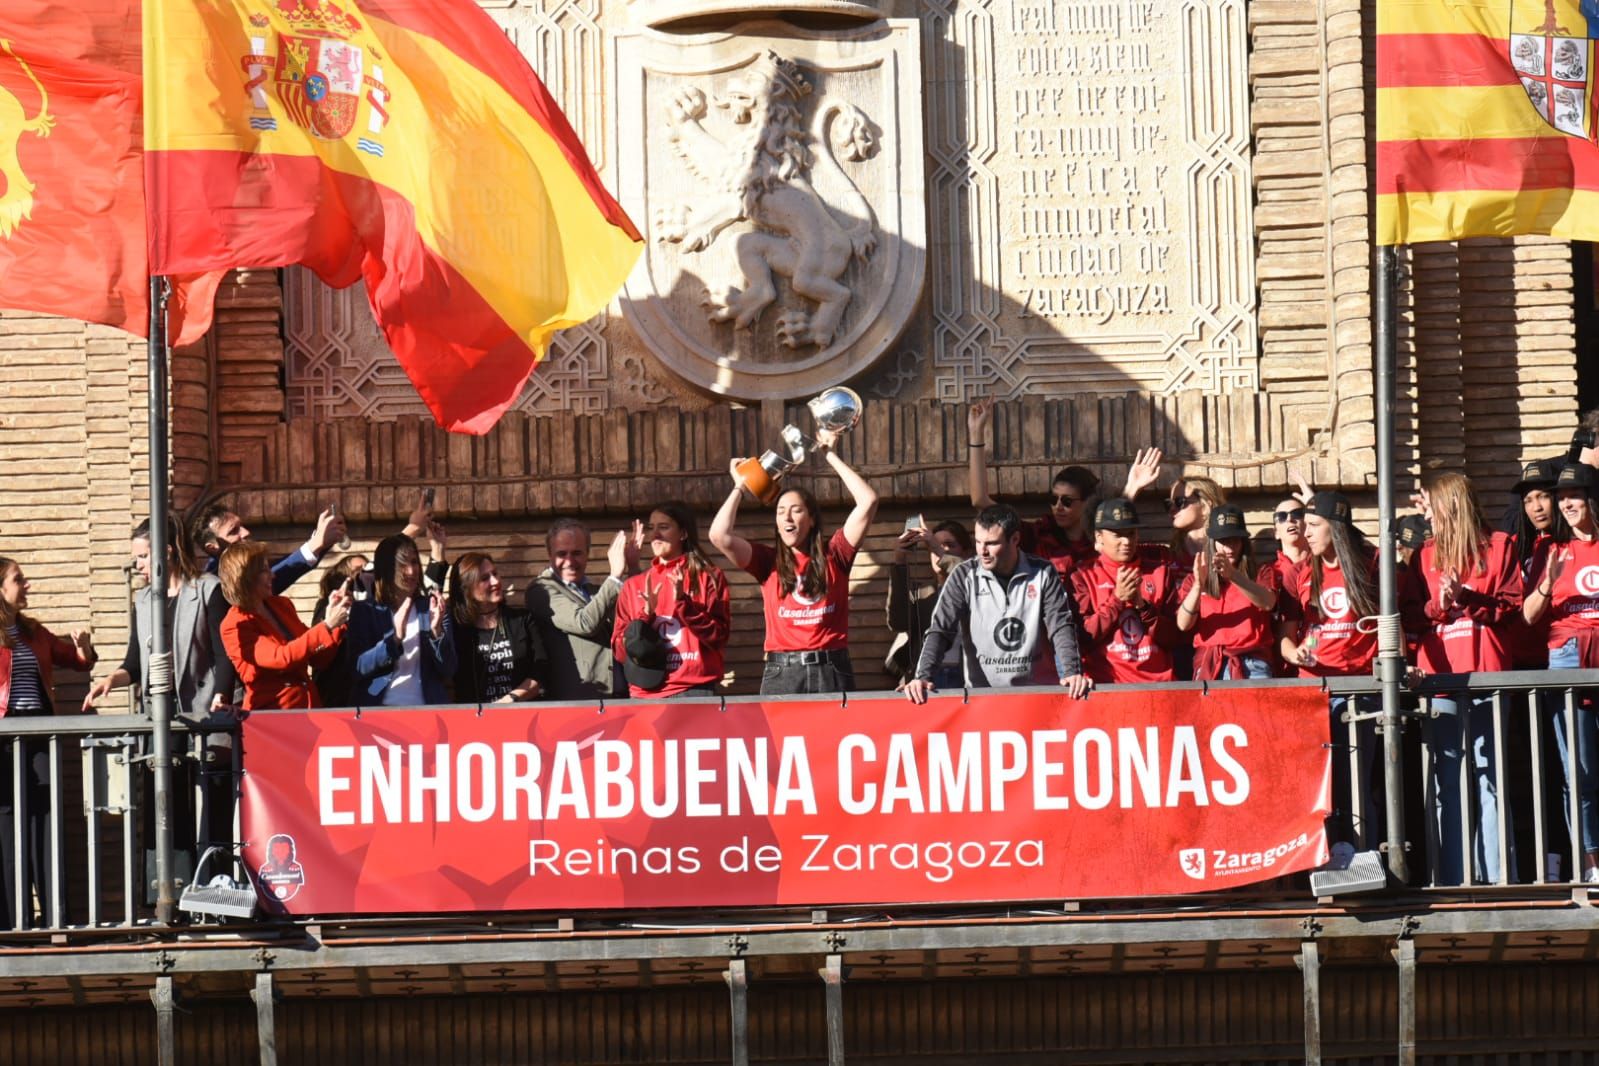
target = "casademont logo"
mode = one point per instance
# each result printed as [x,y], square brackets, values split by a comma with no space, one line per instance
[1588,581]
[1334,603]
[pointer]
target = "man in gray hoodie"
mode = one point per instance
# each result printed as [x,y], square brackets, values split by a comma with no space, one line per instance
[577,615]
[1014,617]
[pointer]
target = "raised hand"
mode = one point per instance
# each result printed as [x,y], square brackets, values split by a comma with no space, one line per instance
[82,641]
[978,417]
[1202,569]
[97,692]
[1305,491]
[402,616]
[1448,591]
[329,530]
[438,606]
[1225,568]
[650,594]
[437,540]
[338,611]
[732,469]
[1144,472]
[1127,584]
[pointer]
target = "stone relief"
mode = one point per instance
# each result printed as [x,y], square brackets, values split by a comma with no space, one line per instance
[779,173]
[764,179]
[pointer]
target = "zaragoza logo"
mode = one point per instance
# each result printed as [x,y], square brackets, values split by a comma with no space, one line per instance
[318,69]
[16,201]
[1552,50]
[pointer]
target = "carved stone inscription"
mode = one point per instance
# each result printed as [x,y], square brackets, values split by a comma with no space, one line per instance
[1124,191]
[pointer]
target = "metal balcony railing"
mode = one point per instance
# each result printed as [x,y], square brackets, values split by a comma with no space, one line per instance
[80,799]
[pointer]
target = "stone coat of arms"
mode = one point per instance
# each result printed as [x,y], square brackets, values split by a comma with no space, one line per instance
[781,179]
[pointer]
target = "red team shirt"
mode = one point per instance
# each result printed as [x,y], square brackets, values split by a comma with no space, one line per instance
[1574,607]
[1232,622]
[1125,645]
[797,624]
[1046,539]
[694,626]
[1341,649]
[1470,636]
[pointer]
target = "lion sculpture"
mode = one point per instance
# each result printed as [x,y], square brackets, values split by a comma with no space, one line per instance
[16,194]
[765,179]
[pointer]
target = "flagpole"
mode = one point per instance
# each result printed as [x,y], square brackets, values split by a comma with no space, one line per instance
[1390,640]
[158,684]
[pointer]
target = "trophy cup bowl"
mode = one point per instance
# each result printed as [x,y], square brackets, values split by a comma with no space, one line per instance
[837,409]
[762,476]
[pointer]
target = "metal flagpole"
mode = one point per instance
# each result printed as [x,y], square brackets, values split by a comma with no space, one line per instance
[158,685]
[1390,637]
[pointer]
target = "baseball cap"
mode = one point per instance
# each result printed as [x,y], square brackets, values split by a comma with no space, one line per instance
[1226,522]
[1576,476]
[645,665]
[1413,531]
[1333,506]
[1539,474]
[1116,513]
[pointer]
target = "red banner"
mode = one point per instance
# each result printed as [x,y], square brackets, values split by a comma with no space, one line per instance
[1028,796]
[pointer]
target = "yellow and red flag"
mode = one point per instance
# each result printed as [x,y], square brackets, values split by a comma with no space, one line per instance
[72,237]
[403,142]
[1487,119]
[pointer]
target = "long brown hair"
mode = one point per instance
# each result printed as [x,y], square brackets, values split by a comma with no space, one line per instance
[1246,564]
[1354,559]
[464,576]
[814,582]
[180,553]
[698,566]
[1459,534]
[238,567]
[24,624]
[385,564]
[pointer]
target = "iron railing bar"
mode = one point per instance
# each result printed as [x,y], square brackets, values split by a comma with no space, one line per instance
[1574,796]
[130,813]
[57,846]
[1463,779]
[22,900]
[1501,797]
[91,815]
[1539,830]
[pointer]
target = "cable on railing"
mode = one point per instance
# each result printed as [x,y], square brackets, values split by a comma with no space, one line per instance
[1389,629]
[160,679]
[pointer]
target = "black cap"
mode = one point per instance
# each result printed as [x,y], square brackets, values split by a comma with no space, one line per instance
[1577,476]
[1333,506]
[1540,474]
[1413,531]
[1116,513]
[1226,522]
[645,665]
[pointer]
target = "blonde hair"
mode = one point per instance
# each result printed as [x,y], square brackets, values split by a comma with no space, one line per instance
[238,568]
[1206,489]
[1459,534]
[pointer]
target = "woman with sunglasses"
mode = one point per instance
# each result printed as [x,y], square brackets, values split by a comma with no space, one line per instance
[1064,534]
[1457,593]
[1227,604]
[1559,595]
[1319,634]
[1189,503]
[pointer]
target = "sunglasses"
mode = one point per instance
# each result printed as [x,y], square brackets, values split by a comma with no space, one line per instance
[1177,503]
[1296,515]
[1064,500]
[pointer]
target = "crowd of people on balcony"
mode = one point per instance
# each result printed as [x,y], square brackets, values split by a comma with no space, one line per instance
[1074,597]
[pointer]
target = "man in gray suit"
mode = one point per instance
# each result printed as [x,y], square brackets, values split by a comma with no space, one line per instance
[578,615]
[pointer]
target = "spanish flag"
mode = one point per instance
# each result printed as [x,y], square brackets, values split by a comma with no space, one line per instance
[402,142]
[1487,119]
[72,237]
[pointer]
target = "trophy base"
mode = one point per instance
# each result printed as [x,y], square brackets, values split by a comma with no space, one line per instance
[760,484]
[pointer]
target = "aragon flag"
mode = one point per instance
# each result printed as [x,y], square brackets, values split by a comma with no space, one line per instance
[403,142]
[72,237]
[1487,119]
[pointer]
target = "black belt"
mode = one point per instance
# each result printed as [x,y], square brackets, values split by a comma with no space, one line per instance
[809,658]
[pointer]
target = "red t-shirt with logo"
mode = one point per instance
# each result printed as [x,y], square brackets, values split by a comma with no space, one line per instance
[1126,645]
[695,626]
[793,622]
[1341,649]
[1470,636]
[1574,607]
[1232,621]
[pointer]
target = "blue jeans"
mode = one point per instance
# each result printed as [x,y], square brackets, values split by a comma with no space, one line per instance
[1444,739]
[1342,823]
[1565,657]
[1255,668]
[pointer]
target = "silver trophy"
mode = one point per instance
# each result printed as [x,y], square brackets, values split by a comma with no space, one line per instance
[837,409]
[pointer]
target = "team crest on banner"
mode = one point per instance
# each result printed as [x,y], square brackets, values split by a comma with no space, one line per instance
[1552,49]
[317,59]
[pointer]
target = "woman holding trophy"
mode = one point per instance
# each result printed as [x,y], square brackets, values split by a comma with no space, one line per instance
[805,577]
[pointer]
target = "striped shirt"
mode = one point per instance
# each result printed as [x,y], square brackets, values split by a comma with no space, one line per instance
[27,687]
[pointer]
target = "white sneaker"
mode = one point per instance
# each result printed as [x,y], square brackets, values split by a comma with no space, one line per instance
[1590,876]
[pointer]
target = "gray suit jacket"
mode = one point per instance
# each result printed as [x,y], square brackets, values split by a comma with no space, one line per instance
[200,666]
[577,635]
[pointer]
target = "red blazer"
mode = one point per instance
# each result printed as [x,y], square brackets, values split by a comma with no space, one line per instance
[51,651]
[276,674]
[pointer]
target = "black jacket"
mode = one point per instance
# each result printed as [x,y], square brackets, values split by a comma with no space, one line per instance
[528,655]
